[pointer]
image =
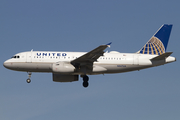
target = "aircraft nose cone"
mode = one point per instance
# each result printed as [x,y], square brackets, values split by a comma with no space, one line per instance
[7,64]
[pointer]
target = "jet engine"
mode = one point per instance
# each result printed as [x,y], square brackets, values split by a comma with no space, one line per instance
[64,78]
[62,67]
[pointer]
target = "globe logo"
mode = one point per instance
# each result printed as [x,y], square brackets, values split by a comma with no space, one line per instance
[154,46]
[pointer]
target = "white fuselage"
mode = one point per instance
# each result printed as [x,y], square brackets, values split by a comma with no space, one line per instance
[68,66]
[113,62]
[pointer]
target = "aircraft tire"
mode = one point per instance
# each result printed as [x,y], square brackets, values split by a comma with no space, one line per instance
[85,84]
[28,80]
[86,78]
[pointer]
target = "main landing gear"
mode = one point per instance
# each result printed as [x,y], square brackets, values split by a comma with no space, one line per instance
[29,75]
[85,81]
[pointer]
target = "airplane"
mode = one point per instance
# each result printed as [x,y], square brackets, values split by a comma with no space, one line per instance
[68,66]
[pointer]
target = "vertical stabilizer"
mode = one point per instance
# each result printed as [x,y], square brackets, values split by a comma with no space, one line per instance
[158,43]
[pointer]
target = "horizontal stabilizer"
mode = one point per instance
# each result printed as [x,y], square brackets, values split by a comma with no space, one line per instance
[162,56]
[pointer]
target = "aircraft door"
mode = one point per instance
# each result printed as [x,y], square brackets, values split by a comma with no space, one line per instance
[29,57]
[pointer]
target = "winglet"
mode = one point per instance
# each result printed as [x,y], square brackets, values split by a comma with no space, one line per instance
[109,44]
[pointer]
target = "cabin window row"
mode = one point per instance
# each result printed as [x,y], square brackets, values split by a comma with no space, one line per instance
[101,58]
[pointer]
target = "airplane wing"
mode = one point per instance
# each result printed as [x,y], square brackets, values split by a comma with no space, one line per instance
[90,57]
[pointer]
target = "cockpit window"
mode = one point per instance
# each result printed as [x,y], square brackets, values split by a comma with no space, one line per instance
[15,57]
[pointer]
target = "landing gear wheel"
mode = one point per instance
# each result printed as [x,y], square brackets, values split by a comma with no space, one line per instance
[85,78]
[85,81]
[29,75]
[28,80]
[85,84]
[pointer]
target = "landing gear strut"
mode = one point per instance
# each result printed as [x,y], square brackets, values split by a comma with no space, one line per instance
[29,75]
[85,81]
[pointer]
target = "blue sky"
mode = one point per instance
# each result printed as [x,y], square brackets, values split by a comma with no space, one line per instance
[67,25]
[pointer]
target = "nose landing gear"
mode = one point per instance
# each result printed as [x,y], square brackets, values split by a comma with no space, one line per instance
[29,75]
[28,80]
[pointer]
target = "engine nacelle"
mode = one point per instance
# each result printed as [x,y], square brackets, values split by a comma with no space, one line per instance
[97,68]
[62,67]
[64,78]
